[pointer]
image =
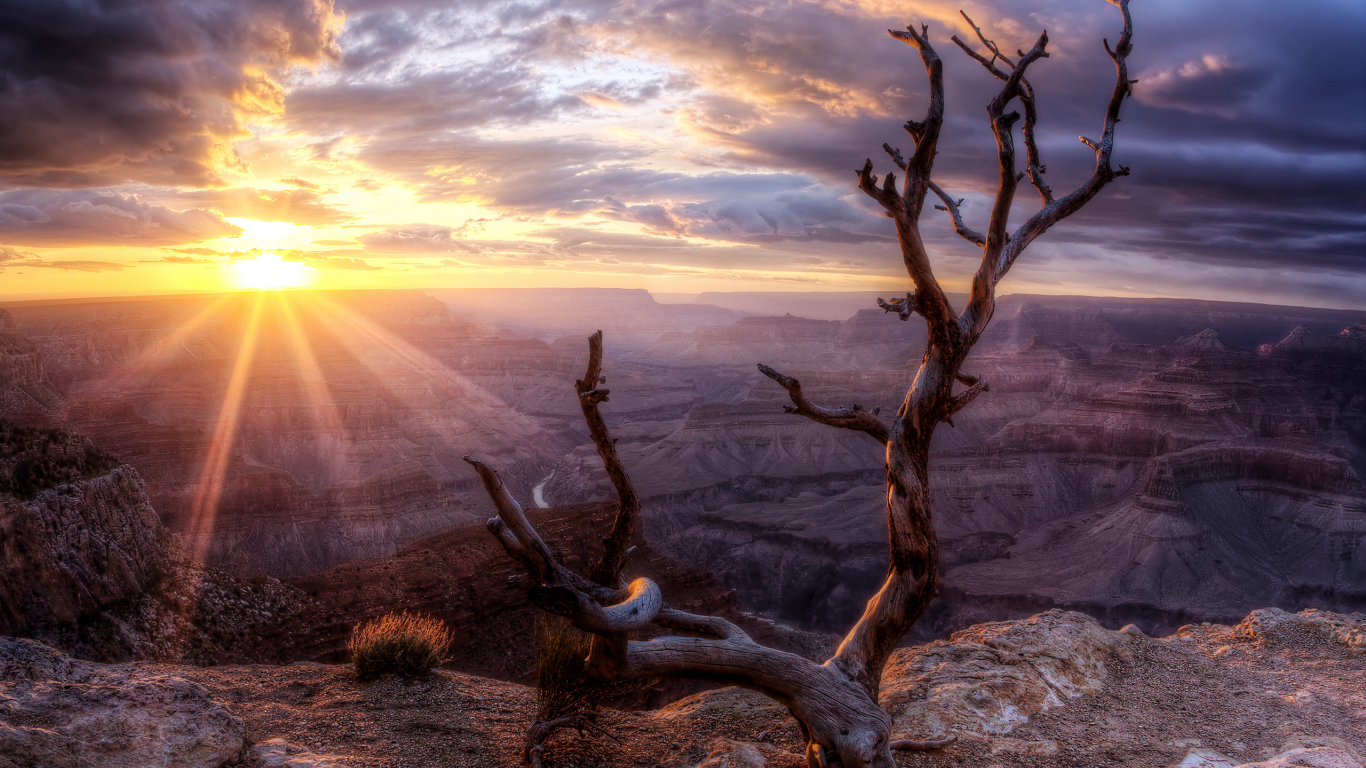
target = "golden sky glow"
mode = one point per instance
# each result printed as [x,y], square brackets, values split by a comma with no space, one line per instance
[679,147]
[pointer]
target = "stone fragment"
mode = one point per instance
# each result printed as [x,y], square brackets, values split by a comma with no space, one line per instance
[725,753]
[277,753]
[1318,757]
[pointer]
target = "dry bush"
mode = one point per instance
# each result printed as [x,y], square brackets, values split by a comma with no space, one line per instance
[567,696]
[407,644]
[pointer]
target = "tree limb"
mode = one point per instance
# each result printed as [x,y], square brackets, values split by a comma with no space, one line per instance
[1103,174]
[856,418]
[902,307]
[961,400]
[934,304]
[617,545]
[1034,167]
[958,226]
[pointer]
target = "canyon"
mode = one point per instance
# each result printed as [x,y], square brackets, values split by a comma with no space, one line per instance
[1148,461]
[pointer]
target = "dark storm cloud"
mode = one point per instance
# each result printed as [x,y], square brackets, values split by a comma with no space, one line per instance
[98,93]
[58,217]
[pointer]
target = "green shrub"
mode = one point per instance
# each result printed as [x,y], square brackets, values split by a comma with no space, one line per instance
[407,644]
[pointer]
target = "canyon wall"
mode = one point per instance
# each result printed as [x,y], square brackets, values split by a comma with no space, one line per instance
[1145,460]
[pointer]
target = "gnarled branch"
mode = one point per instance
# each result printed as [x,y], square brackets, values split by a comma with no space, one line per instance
[951,207]
[902,307]
[856,418]
[1034,167]
[617,545]
[835,703]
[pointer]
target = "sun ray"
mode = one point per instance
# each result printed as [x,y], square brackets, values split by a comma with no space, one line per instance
[204,509]
[153,359]
[429,368]
[323,411]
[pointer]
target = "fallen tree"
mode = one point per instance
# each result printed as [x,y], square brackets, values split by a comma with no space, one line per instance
[835,703]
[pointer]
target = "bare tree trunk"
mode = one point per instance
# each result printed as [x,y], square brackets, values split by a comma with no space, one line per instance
[835,703]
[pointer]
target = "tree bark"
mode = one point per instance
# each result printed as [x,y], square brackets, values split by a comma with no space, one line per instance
[835,703]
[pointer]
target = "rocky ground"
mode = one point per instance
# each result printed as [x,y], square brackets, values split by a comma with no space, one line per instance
[1055,690]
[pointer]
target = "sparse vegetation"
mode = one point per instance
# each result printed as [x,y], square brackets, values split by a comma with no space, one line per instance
[406,644]
[33,460]
[567,695]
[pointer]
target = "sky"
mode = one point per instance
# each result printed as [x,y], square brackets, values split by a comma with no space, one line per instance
[677,145]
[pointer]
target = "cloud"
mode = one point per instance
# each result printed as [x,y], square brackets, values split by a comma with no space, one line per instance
[79,266]
[299,206]
[186,260]
[298,182]
[101,217]
[339,263]
[1207,85]
[144,90]
[12,257]
[8,254]
[418,238]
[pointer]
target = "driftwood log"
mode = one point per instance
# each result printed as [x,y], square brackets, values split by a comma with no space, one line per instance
[836,703]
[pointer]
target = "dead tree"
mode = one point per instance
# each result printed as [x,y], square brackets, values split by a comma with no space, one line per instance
[836,703]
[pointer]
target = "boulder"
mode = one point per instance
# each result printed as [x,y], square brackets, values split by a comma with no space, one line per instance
[57,712]
[984,681]
[1347,629]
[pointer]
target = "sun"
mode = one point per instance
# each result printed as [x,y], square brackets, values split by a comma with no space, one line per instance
[268,272]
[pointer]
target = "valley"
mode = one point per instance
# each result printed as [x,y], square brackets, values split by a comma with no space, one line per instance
[1147,461]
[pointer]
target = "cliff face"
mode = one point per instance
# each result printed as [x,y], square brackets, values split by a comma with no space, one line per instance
[1182,439]
[76,550]
[342,436]
[1145,481]
[87,567]
[26,394]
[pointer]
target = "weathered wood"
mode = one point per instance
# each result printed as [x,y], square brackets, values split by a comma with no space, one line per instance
[617,545]
[835,703]
[855,418]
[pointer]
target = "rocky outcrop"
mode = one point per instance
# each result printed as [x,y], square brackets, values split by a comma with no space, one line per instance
[1315,757]
[76,550]
[87,567]
[27,396]
[1271,623]
[1350,341]
[983,682]
[278,753]
[57,712]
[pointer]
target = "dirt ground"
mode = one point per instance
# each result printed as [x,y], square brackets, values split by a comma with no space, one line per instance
[1199,691]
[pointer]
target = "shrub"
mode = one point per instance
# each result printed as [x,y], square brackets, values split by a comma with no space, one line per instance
[567,696]
[407,644]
